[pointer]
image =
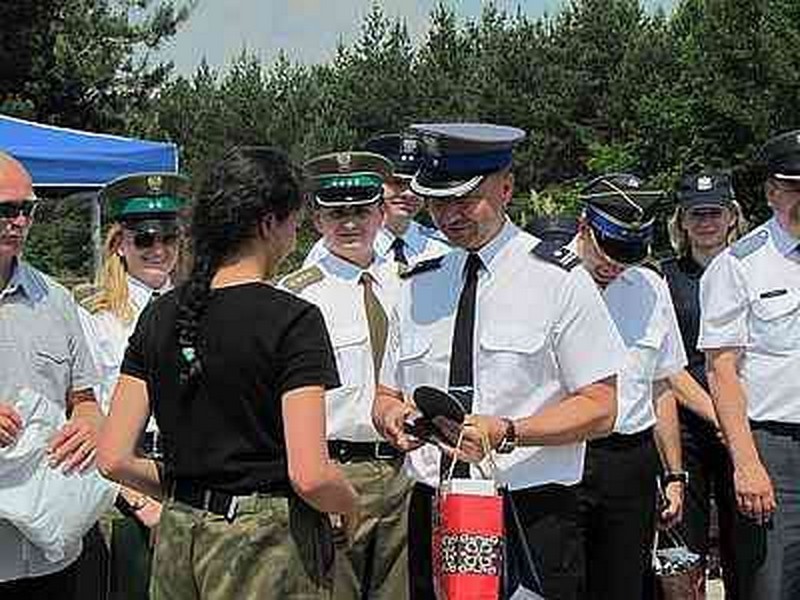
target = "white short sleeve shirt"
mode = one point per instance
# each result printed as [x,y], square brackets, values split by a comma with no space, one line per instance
[640,305]
[542,332]
[340,297]
[750,299]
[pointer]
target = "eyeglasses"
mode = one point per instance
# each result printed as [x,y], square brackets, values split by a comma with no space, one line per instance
[697,214]
[147,239]
[13,209]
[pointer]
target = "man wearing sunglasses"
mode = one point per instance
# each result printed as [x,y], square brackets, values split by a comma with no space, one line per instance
[139,257]
[42,351]
[750,331]
[403,241]
[619,491]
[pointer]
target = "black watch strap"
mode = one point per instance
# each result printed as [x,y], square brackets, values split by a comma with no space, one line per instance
[679,476]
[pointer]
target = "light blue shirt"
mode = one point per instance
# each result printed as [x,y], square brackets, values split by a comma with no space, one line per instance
[42,348]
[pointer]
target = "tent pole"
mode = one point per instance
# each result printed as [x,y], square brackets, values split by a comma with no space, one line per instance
[97,240]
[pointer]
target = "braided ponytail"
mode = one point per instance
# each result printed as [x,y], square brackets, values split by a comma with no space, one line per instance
[245,186]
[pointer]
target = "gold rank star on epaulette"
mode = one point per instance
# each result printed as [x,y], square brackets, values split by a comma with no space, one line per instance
[299,280]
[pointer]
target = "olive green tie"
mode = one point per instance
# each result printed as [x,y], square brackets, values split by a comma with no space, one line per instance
[376,321]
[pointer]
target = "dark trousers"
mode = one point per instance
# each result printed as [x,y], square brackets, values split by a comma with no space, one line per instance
[768,557]
[92,568]
[618,515]
[57,586]
[706,460]
[549,516]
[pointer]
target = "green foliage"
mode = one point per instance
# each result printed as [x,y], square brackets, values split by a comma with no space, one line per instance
[601,86]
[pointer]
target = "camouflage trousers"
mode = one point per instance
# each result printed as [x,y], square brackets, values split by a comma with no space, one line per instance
[376,565]
[275,547]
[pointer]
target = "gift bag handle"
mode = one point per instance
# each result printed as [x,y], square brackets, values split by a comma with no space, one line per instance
[487,450]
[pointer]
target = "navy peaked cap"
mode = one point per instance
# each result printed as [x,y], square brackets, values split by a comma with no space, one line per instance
[457,156]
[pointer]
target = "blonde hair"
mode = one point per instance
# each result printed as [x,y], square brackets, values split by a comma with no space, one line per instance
[679,238]
[111,282]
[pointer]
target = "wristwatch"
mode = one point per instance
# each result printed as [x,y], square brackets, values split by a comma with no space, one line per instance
[508,442]
[680,476]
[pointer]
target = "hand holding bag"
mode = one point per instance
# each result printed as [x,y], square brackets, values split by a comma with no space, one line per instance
[679,572]
[471,541]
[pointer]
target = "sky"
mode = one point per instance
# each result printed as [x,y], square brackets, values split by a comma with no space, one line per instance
[307,30]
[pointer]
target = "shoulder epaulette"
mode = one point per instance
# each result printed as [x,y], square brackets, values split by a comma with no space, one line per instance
[654,266]
[299,280]
[434,234]
[747,245]
[430,264]
[556,254]
[88,295]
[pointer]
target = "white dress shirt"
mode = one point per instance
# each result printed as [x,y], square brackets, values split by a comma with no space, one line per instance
[340,296]
[108,337]
[750,299]
[542,333]
[640,305]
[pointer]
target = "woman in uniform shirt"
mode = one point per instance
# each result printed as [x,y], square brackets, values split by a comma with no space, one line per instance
[140,254]
[706,220]
[234,371]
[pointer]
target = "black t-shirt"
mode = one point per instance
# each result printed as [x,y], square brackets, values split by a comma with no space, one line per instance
[683,276]
[225,429]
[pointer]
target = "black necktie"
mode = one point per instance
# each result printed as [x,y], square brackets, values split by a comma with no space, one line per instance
[398,246]
[461,351]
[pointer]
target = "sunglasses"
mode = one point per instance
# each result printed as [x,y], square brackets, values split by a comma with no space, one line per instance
[143,240]
[13,209]
[704,213]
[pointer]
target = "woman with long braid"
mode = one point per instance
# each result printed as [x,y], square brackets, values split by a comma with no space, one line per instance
[234,371]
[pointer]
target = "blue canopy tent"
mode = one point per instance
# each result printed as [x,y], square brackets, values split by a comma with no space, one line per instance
[67,158]
[70,159]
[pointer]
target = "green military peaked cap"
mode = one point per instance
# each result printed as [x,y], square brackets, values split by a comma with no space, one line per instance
[145,196]
[347,178]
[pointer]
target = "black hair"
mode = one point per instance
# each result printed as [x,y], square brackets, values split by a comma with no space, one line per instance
[246,185]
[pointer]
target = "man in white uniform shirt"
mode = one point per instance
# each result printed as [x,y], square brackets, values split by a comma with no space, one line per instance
[750,330]
[356,291]
[618,493]
[518,325]
[402,241]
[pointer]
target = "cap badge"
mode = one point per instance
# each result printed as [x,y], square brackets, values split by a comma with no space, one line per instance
[344,160]
[155,184]
[409,146]
[633,182]
[705,183]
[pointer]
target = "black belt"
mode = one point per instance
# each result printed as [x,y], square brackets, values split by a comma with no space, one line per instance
[623,441]
[216,501]
[791,430]
[345,452]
